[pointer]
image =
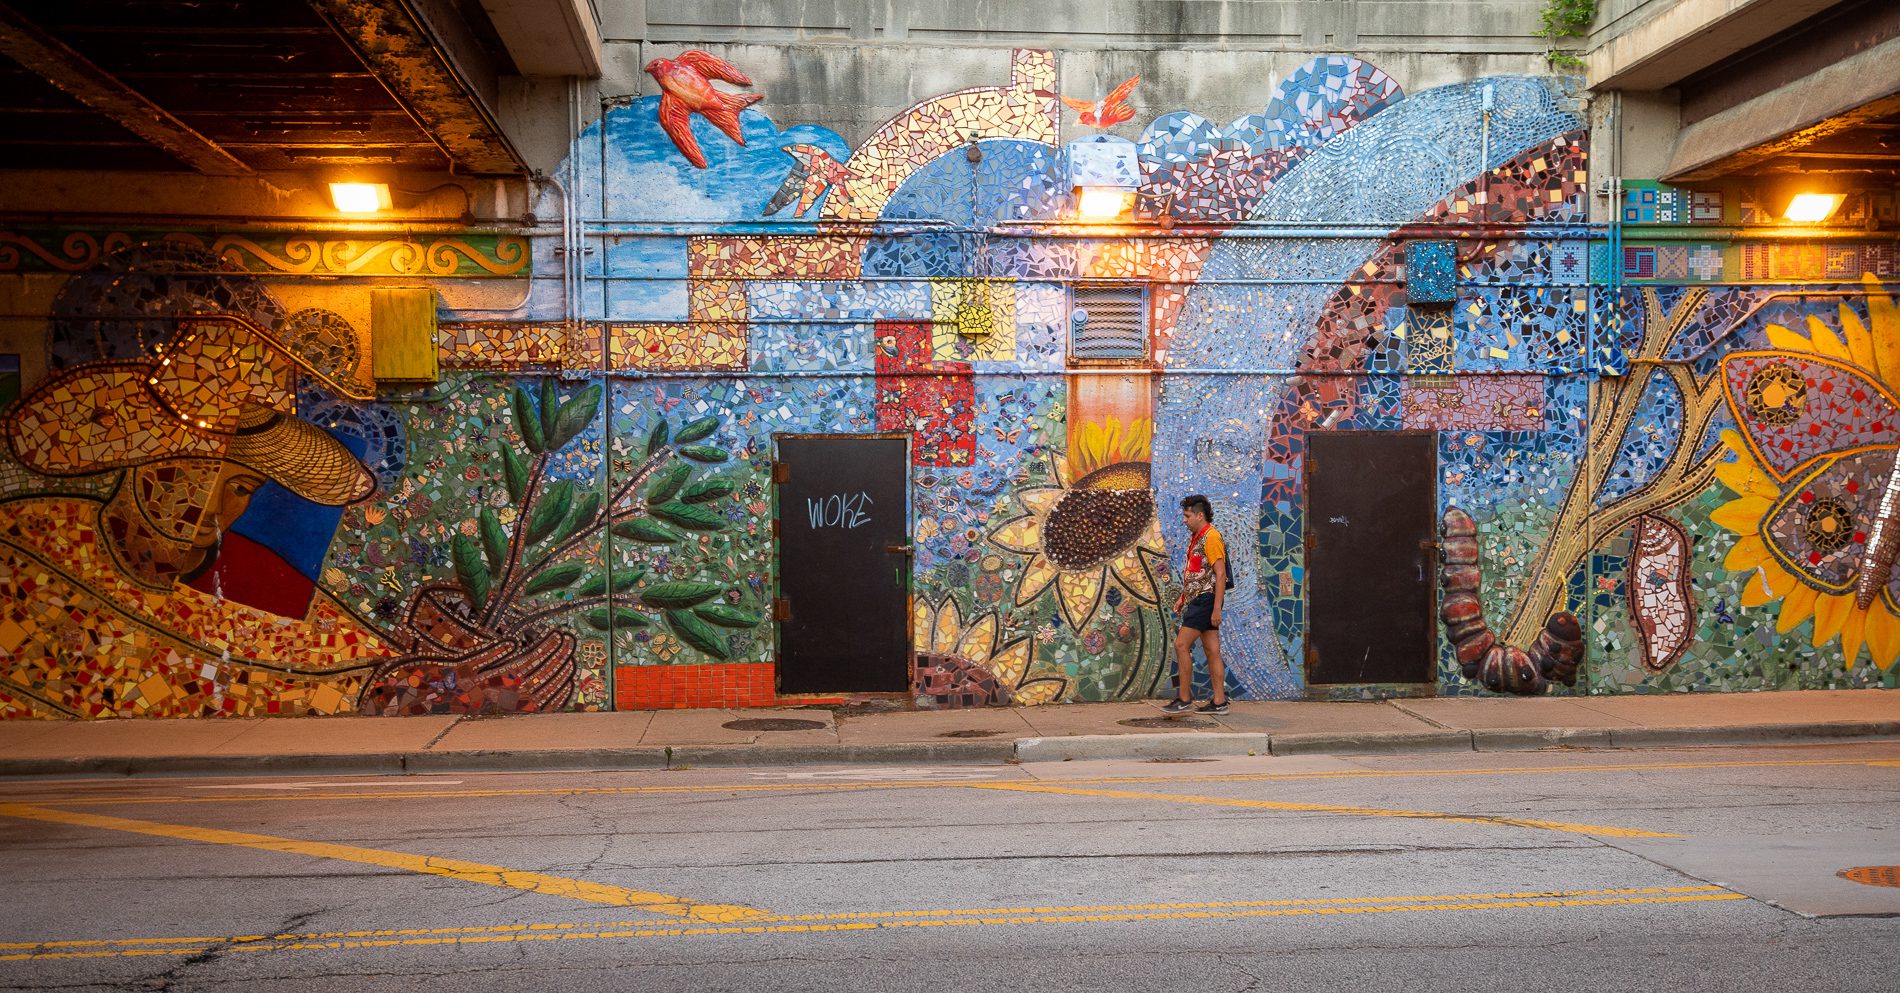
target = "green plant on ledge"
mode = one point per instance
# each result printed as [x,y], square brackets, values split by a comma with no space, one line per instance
[1566,19]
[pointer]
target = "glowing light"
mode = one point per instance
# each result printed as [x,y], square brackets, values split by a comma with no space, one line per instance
[1809,208]
[1103,203]
[360,198]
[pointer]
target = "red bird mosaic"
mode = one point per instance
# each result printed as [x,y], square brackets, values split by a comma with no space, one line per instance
[686,89]
[1108,111]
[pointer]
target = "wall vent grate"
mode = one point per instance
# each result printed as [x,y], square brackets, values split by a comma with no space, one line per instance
[1116,329]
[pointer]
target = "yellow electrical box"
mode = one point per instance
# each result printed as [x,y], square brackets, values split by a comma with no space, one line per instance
[402,335]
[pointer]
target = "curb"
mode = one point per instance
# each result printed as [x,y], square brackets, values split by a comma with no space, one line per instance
[1166,745]
[1744,734]
[1375,742]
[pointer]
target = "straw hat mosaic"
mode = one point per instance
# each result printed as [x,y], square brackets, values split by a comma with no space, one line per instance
[224,389]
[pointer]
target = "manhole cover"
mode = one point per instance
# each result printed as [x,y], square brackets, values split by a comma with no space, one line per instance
[1165,722]
[1177,761]
[773,724]
[968,733]
[1873,875]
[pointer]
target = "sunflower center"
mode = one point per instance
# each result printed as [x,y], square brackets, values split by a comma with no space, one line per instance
[1830,525]
[1089,527]
[1776,395]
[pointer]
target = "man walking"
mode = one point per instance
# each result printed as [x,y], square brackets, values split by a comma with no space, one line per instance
[1203,588]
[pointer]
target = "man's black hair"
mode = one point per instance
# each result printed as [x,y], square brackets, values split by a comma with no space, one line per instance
[1198,501]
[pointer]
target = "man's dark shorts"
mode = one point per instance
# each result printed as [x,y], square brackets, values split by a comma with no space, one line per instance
[1199,613]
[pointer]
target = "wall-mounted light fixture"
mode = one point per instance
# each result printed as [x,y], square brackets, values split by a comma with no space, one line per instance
[1811,207]
[1104,172]
[360,198]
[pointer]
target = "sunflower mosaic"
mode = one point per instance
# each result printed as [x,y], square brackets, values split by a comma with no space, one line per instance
[1093,528]
[1812,461]
[970,664]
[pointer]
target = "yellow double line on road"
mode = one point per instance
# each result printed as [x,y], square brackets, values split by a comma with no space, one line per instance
[861,921]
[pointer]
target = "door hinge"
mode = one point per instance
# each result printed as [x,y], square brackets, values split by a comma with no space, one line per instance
[775,527]
[781,609]
[781,473]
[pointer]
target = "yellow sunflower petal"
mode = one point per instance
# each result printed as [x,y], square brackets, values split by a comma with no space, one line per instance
[949,624]
[1037,576]
[921,622]
[1742,515]
[1062,472]
[1796,607]
[1022,535]
[1860,344]
[1009,664]
[1885,319]
[1749,552]
[1134,576]
[1080,593]
[1883,637]
[1768,583]
[1780,337]
[1138,446]
[1039,691]
[1853,634]
[1041,500]
[1824,340]
[1746,478]
[978,641]
[1830,613]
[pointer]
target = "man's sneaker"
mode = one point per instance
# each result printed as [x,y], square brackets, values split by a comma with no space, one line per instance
[1211,707]
[1178,706]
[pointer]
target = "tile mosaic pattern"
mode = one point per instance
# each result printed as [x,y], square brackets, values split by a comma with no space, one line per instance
[1194,170]
[697,346]
[501,345]
[1485,403]
[931,399]
[1025,110]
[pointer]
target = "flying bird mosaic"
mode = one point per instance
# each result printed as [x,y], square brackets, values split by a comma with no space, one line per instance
[686,89]
[1108,111]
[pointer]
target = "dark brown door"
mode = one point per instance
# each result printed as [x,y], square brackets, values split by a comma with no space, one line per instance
[1371,565]
[844,564]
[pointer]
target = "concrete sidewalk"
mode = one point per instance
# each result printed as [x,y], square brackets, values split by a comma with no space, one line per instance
[675,738]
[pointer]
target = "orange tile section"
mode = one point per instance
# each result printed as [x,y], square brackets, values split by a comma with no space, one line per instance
[659,687]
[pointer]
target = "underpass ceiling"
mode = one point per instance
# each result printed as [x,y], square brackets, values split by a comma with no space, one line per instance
[228,86]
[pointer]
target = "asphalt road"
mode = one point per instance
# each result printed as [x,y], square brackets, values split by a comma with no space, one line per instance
[1695,869]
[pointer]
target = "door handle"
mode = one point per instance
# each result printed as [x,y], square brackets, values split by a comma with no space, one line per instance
[897,549]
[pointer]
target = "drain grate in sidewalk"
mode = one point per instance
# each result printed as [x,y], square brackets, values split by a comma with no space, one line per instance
[773,724]
[1166,722]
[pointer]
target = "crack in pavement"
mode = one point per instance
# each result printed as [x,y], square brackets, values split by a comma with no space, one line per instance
[164,980]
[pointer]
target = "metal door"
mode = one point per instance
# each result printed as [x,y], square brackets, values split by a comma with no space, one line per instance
[1371,556]
[844,563]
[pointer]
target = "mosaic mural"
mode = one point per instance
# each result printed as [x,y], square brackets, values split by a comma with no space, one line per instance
[1665,466]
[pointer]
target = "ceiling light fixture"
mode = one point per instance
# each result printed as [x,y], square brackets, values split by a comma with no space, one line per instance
[360,198]
[1812,208]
